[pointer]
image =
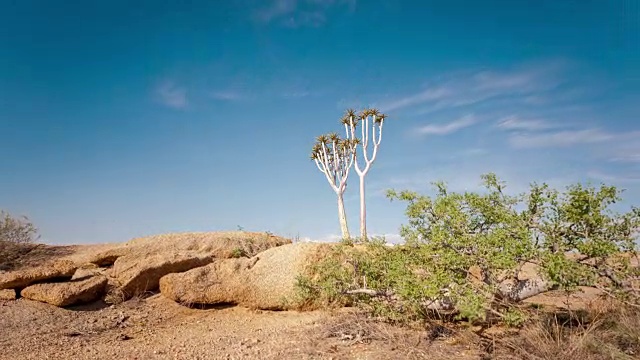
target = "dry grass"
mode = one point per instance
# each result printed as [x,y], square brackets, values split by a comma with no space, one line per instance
[603,331]
[351,328]
[356,328]
[11,254]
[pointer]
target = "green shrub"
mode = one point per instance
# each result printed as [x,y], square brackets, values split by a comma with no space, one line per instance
[238,253]
[462,250]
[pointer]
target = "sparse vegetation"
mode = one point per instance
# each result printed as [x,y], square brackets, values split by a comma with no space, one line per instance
[238,253]
[606,331]
[465,252]
[16,238]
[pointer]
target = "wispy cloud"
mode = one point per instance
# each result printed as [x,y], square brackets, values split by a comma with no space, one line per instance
[628,150]
[629,157]
[560,138]
[419,98]
[472,87]
[226,95]
[517,123]
[457,178]
[299,13]
[448,128]
[613,178]
[172,95]
[276,9]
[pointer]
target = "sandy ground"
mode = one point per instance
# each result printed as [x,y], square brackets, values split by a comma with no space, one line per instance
[157,328]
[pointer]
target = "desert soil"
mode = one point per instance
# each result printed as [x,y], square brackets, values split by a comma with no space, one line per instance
[157,328]
[154,327]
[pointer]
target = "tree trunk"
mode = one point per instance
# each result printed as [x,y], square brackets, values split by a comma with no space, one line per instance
[363,211]
[511,290]
[343,218]
[518,290]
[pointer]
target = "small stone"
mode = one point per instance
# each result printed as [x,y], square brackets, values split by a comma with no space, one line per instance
[7,294]
[123,337]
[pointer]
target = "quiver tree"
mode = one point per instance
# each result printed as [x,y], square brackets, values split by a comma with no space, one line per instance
[334,157]
[351,121]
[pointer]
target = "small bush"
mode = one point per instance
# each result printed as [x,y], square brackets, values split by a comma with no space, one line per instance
[16,238]
[238,253]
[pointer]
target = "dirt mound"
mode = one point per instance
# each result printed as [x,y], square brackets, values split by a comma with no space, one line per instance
[57,270]
[67,293]
[266,281]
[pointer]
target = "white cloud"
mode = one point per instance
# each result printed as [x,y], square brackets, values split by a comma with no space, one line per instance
[172,95]
[517,123]
[613,178]
[630,157]
[493,80]
[226,95]
[626,150]
[468,87]
[296,94]
[447,128]
[298,13]
[421,97]
[457,178]
[275,9]
[560,139]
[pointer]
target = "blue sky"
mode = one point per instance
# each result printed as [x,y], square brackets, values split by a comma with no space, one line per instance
[122,119]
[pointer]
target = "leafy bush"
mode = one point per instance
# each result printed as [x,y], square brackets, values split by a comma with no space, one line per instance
[16,236]
[238,253]
[16,230]
[464,252]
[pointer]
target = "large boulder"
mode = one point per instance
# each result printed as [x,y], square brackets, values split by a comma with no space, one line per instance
[133,275]
[223,281]
[266,281]
[217,244]
[57,270]
[67,293]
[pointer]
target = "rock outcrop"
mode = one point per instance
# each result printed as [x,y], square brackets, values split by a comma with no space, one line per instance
[122,271]
[266,281]
[67,293]
[216,244]
[139,264]
[57,270]
[133,275]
